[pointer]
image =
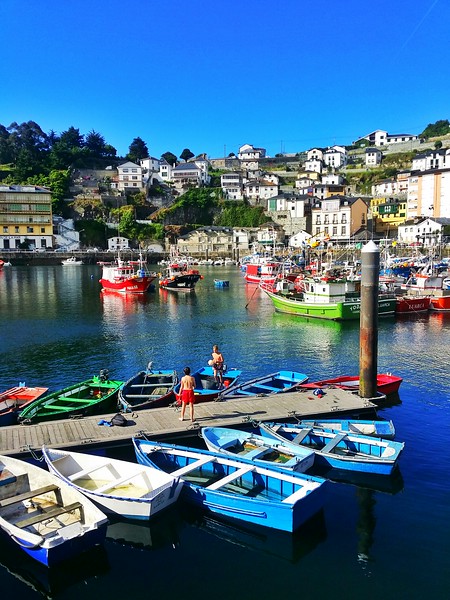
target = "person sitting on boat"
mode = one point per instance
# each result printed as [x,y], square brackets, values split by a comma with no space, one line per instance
[187,393]
[217,365]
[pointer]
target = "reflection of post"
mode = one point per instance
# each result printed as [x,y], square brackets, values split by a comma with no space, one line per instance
[365,526]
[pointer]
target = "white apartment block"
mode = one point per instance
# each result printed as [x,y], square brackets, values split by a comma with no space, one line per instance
[248,152]
[313,164]
[335,158]
[435,159]
[427,231]
[130,177]
[232,186]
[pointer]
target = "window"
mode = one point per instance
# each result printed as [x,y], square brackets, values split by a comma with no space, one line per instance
[343,230]
[5,229]
[16,229]
[42,229]
[334,230]
[30,229]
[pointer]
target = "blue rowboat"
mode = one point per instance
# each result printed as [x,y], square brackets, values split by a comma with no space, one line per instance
[263,451]
[206,388]
[381,429]
[274,383]
[221,283]
[237,488]
[345,451]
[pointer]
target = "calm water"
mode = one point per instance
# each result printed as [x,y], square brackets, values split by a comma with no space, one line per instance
[386,539]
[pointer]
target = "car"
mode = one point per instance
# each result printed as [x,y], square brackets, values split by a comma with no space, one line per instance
[92,250]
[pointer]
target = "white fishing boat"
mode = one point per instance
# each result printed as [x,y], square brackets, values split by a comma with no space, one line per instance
[48,519]
[72,261]
[120,487]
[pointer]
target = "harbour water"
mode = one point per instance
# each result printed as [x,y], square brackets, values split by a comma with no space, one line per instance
[374,538]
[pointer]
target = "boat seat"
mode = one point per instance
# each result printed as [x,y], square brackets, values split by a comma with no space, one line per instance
[117,482]
[57,407]
[194,465]
[244,393]
[141,385]
[231,477]
[329,447]
[301,493]
[256,453]
[84,473]
[51,514]
[301,435]
[138,395]
[27,495]
[267,387]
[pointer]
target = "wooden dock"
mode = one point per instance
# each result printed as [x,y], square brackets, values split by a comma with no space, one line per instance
[164,423]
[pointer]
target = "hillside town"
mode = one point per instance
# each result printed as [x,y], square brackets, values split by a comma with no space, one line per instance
[309,198]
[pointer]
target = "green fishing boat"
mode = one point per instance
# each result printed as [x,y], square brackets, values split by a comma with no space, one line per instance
[324,298]
[93,396]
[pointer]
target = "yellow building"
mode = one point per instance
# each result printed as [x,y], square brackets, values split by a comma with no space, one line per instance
[387,214]
[25,217]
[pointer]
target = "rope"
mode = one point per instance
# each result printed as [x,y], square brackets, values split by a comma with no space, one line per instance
[254,292]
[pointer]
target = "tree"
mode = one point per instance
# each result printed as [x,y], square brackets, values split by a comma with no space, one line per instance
[95,143]
[438,144]
[441,127]
[170,158]
[186,155]
[137,150]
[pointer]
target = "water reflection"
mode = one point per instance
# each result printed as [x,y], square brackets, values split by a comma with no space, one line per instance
[291,547]
[49,582]
[387,484]
[365,526]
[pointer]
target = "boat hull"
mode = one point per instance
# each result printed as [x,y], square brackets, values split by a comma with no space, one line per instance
[148,389]
[283,501]
[180,283]
[14,400]
[342,451]
[89,397]
[206,388]
[275,383]
[134,285]
[336,311]
[57,525]
[411,305]
[386,383]
[118,487]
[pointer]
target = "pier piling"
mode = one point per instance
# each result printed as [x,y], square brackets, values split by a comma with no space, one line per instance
[368,340]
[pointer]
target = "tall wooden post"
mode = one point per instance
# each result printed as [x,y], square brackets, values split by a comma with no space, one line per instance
[368,338]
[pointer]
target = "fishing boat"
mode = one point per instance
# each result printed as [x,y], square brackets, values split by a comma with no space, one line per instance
[49,520]
[237,488]
[325,298]
[427,281]
[381,429]
[93,396]
[179,276]
[120,487]
[127,277]
[263,451]
[206,387]
[275,383]
[386,383]
[72,261]
[15,399]
[148,389]
[344,451]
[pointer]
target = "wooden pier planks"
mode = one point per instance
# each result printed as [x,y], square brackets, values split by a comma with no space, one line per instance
[161,423]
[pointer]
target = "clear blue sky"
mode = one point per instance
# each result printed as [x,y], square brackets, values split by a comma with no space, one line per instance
[213,75]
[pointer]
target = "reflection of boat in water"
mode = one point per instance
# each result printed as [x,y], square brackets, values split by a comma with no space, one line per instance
[161,531]
[51,582]
[392,484]
[291,547]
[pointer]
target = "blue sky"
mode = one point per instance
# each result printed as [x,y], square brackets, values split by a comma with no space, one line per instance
[213,75]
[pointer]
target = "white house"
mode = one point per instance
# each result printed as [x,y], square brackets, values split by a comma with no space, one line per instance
[332,179]
[386,187]
[190,173]
[426,231]
[373,157]
[118,243]
[299,239]
[314,153]
[165,170]
[130,177]
[258,191]
[435,159]
[313,164]
[232,185]
[335,158]
[248,152]
[380,137]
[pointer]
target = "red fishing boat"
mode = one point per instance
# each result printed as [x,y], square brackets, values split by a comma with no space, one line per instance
[386,383]
[15,399]
[128,277]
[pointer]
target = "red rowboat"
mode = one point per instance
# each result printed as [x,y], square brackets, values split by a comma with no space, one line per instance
[386,383]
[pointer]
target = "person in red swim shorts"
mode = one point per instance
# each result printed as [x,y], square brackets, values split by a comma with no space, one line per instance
[187,393]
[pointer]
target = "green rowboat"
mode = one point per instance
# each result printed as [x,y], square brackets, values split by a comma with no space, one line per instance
[93,396]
